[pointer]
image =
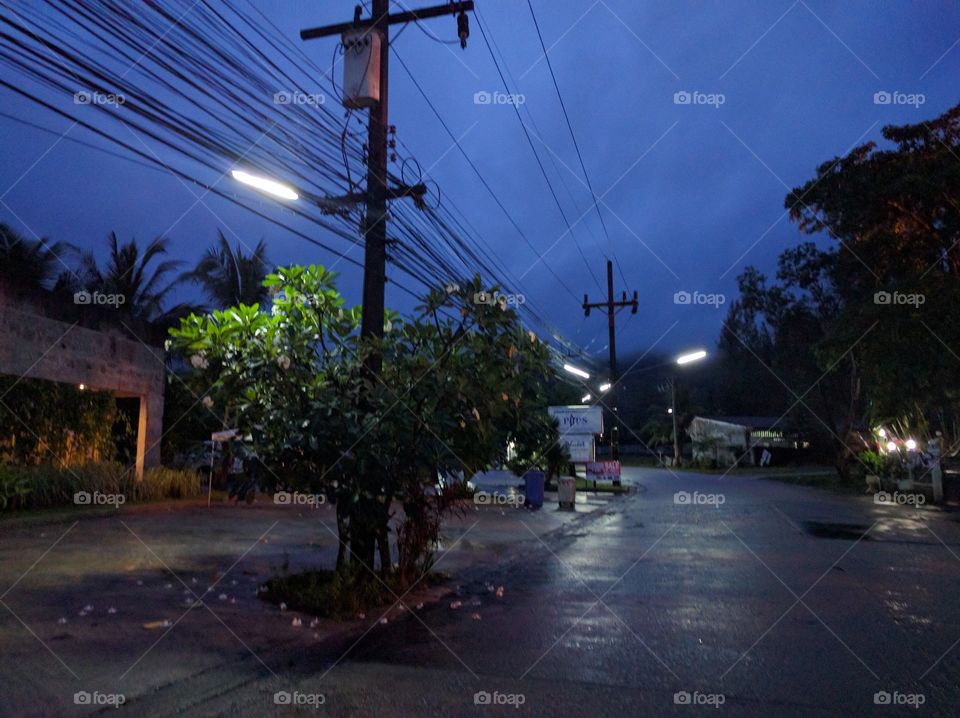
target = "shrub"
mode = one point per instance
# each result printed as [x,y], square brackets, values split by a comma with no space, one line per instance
[43,486]
[162,482]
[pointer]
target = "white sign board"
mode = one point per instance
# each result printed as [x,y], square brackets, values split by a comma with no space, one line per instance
[603,471]
[578,419]
[580,446]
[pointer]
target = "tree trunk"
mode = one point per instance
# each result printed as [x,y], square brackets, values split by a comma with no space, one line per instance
[343,533]
[383,542]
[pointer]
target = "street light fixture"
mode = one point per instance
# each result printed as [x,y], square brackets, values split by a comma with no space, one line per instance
[691,357]
[265,184]
[576,371]
[605,387]
[687,358]
[584,399]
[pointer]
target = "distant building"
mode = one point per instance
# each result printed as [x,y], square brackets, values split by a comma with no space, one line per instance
[730,440]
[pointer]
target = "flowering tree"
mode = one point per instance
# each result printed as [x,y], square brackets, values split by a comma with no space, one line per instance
[460,379]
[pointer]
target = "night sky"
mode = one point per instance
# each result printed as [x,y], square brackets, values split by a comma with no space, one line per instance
[691,193]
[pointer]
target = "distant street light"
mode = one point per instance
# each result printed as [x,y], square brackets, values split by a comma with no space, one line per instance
[577,372]
[265,185]
[584,399]
[687,358]
[605,387]
[891,446]
[911,445]
[691,357]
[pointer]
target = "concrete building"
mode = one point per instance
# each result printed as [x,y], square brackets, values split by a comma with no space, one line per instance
[42,337]
[742,440]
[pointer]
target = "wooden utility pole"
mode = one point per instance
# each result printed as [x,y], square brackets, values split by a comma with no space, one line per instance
[611,306]
[378,191]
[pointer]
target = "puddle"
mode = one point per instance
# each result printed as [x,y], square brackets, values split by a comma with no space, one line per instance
[848,532]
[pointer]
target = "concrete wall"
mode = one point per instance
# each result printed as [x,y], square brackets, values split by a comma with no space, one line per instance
[37,346]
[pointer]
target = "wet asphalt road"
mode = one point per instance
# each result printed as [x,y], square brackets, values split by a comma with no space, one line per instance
[748,597]
[780,600]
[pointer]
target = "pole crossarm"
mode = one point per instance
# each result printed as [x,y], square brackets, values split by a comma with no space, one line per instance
[396,18]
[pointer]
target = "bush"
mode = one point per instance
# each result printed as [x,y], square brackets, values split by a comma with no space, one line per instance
[326,593]
[162,482]
[43,486]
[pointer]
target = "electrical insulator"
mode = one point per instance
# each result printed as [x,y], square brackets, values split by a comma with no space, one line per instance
[463,28]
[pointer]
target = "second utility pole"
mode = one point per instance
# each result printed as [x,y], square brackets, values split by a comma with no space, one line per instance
[611,306]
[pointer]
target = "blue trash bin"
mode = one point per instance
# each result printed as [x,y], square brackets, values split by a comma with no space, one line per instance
[533,482]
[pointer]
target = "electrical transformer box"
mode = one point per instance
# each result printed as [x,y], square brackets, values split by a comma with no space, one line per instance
[361,67]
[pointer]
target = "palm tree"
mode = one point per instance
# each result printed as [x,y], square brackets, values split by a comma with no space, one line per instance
[29,263]
[230,277]
[128,273]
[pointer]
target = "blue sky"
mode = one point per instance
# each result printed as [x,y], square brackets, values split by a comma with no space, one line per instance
[691,192]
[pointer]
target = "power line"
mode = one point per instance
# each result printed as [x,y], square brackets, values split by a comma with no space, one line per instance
[576,145]
[536,155]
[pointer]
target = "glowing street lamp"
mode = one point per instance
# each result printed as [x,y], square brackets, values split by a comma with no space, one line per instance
[691,357]
[265,184]
[687,358]
[891,446]
[605,387]
[576,371]
[584,399]
[911,445]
